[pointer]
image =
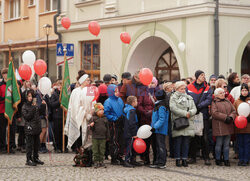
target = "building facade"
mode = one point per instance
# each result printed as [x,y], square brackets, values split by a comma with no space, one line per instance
[157,27]
[22,23]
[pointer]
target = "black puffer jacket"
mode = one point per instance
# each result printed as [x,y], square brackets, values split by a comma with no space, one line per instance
[32,119]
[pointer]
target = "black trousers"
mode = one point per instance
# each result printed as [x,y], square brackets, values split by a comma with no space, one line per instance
[3,125]
[32,146]
[58,133]
[21,136]
[13,134]
[116,143]
[201,141]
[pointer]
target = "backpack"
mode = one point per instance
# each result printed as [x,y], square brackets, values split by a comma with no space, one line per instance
[83,158]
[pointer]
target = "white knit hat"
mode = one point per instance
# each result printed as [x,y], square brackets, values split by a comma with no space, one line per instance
[83,78]
[179,84]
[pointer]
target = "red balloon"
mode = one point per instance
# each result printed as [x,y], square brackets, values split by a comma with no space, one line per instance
[125,37]
[146,76]
[25,71]
[94,28]
[93,91]
[240,122]
[66,22]
[139,145]
[40,67]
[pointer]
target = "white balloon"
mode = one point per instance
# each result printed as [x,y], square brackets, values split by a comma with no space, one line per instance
[44,85]
[144,132]
[244,109]
[181,46]
[29,57]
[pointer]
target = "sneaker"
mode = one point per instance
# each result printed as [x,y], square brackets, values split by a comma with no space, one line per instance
[178,163]
[127,164]
[241,163]
[184,163]
[30,163]
[218,162]
[160,166]
[37,161]
[153,166]
[207,162]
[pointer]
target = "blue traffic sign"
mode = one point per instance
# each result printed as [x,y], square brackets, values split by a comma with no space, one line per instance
[70,49]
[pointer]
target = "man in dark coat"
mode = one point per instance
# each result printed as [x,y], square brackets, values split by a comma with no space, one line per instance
[202,95]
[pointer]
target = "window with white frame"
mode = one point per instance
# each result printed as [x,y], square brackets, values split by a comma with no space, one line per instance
[50,5]
[31,2]
[14,9]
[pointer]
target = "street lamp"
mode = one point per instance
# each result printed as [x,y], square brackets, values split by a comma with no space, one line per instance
[47,29]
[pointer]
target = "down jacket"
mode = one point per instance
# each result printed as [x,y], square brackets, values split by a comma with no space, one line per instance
[220,110]
[180,104]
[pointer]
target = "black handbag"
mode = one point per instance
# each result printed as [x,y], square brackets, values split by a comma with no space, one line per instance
[181,123]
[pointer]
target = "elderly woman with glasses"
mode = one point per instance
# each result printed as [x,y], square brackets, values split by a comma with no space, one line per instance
[223,114]
[221,83]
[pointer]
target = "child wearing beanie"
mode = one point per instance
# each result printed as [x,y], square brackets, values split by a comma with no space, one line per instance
[100,134]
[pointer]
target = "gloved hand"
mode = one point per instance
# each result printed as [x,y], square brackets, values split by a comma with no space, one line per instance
[229,120]
[152,130]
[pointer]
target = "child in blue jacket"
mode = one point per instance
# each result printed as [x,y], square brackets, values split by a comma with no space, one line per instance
[130,131]
[160,128]
[113,110]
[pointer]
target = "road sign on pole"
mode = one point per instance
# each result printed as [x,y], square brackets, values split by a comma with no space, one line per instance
[69,54]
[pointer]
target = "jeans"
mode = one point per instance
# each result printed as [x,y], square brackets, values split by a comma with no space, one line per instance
[181,146]
[203,140]
[222,141]
[161,151]
[98,148]
[244,147]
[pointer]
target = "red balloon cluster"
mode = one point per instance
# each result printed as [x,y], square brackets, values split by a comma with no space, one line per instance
[40,67]
[139,145]
[25,71]
[146,76]
[240,122]
[125,37]
[94,28]
[66,22]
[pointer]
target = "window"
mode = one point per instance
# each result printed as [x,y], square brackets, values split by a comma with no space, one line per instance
[31,2]
[90,58]
[14,9]
[167,66]
[50,5]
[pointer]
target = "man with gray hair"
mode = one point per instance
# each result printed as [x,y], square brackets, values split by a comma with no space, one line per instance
[235,92]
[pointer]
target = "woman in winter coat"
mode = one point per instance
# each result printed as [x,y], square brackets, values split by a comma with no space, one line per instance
[182,105]
[243,135]
[32,128]
[223,114]
[145,108]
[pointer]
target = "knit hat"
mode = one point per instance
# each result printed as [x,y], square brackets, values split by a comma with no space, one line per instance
[198,73]
[4,71]
[179,84]
[160,95]
[98,106]
[212,76]
[244,86]
[126,75]
[155,81]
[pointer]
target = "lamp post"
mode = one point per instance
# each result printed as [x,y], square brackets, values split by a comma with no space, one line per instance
[47,29]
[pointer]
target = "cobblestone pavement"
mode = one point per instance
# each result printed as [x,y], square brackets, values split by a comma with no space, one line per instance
[59,167]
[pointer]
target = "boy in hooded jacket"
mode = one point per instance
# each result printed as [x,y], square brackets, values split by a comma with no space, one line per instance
[113,110]
[160,128]
[130,131]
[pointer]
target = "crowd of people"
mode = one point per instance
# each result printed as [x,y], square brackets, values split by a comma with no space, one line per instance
[171,108]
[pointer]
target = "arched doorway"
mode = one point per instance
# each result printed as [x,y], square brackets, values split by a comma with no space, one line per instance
[151,53]
[245,60]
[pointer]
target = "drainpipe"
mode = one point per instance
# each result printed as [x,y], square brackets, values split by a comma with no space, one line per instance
[216,38]
[55,21]
[59,34]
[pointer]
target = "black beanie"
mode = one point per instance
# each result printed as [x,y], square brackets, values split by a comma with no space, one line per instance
[244,86]
[198,73]
[160,95]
